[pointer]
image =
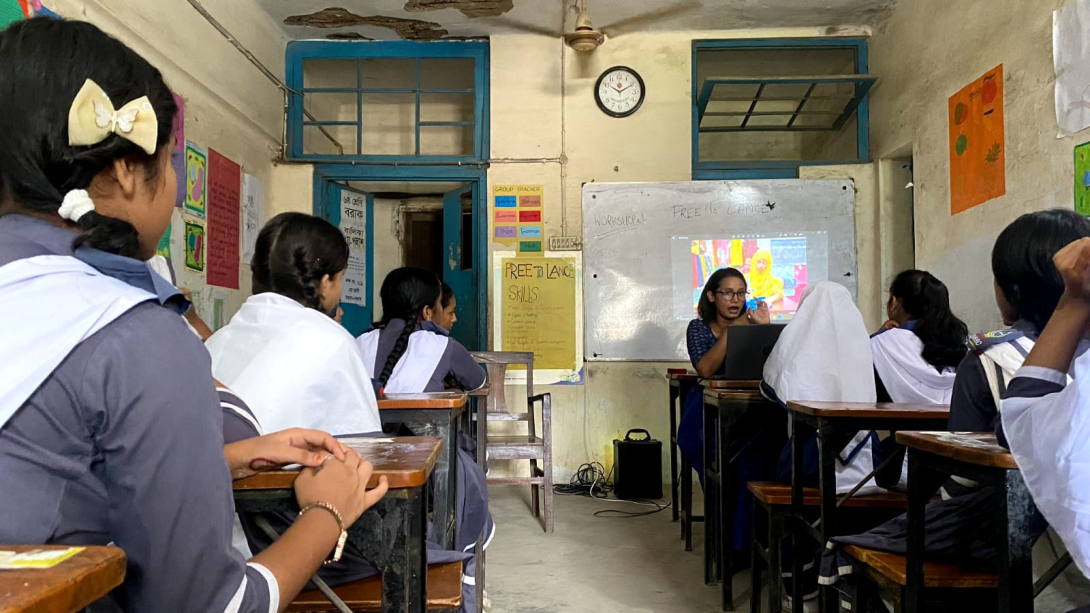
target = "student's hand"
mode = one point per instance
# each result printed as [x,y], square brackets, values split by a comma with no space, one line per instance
[341,484]
[760,315]
[294,446]
[1073,262]
[889,325]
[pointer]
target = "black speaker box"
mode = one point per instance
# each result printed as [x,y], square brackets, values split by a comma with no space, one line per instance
[637,467]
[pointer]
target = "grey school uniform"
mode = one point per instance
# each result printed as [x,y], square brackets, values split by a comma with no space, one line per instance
[456,364]
[123,444]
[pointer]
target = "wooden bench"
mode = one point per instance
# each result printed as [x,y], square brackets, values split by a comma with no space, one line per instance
[775,500]
[945,582]
[444,593]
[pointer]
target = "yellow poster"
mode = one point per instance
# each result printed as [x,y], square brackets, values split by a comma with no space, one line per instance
[519,218]
[539,309]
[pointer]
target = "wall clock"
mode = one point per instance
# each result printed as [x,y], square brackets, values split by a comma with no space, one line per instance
[619,91]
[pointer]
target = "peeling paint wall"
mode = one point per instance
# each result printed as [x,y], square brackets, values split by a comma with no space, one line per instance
[922,61]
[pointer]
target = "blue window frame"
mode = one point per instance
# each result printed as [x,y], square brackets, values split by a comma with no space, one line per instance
[779,169]
[352,92]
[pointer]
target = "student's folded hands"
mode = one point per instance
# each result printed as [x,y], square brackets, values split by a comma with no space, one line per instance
[308,448]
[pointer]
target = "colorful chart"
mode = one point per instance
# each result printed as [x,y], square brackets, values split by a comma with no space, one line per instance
[1082,179]
[977,143]
[518,218]
[196,180]
[194,245]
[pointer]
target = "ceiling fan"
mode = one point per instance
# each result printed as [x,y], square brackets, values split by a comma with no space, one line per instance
[585,37]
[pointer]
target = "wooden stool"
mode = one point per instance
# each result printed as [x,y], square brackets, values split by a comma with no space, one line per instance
[775,500]
[444,593]
[943,580]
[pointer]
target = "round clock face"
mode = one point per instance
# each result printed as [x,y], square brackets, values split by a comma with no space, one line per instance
[619,91]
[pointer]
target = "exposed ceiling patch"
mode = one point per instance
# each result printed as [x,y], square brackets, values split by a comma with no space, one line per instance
[336,17]
[347,36]
[469,8]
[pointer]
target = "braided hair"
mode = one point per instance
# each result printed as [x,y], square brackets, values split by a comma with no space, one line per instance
[294,252]
[405,292]
[46,64]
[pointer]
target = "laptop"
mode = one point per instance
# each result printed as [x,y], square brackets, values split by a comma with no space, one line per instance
[748,347]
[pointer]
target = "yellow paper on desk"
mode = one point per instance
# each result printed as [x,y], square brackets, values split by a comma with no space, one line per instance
[42,558]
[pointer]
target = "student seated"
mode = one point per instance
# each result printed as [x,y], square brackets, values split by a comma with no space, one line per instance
[819,357]
[1028,288]
[1046,420]
[105,436]
[293,364]
[447,303]
[408,352]
[917,352]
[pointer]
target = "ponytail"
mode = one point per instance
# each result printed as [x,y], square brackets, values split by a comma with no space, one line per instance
[926,300]
[404,294]
[293,253]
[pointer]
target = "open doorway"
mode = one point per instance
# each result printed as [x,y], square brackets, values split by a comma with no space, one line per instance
[429,225]
[898,217]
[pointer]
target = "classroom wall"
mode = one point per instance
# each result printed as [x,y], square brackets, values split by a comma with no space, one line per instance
[921,61]
[529,120]
[229,105]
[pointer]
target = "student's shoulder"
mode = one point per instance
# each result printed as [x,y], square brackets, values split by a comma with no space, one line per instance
[698,325]
[145,326]
[982,341]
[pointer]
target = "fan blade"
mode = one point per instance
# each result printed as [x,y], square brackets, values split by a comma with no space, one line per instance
[635,22]
[526,27]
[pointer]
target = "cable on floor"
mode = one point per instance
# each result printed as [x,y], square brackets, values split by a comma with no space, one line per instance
[592,481]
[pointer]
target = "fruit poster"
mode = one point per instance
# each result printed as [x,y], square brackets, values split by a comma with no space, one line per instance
[196,179]
[977,143]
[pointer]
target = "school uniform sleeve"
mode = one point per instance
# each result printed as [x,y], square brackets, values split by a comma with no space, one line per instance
[699,340]
[239,422]
[972,408]
[156,420]
[1029,384]
[463,368]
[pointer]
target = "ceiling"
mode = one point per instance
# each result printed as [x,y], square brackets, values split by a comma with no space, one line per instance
[456,19]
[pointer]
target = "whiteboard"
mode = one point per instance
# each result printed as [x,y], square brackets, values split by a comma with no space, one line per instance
[636,240]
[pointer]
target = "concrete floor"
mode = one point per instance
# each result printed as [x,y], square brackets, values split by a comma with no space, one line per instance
[595,565]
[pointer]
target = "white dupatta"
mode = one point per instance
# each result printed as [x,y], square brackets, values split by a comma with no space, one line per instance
[50,304]
[1050,439]
[415,368]
[824,355]
[295,368]
[908,378]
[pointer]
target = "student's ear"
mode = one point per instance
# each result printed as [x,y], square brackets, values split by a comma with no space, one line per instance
[428,314]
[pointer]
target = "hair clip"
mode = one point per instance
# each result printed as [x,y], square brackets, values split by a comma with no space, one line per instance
[92,119]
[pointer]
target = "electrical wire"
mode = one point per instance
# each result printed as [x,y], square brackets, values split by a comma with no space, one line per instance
[592,481]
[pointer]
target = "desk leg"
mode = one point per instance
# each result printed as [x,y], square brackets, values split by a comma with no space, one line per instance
[675,393]
[1016,519]
[830,441]
[711,496]
[798,531]
[725,501]
[445,480]
[915,539]
[404,580]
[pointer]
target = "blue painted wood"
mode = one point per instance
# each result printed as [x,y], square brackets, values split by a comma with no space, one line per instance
[327,194]
[461,280]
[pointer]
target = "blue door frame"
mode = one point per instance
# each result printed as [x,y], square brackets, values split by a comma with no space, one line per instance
[326,201]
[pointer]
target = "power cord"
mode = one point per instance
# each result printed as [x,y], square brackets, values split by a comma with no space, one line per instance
[592,481]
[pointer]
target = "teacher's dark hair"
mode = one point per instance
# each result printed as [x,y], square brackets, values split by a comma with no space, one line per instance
[1022,261]
[46,62]
[294,252]
[927,300]
[705,308]
[404,294]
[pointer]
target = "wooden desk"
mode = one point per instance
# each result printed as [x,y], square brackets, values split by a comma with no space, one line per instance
[390,534]
[433,415]
[932,457]
[681,382]
[732,417]
[69,586]
[836,424]
[724,384]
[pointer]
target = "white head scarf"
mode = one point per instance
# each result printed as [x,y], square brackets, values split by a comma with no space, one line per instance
[898,358]
[1050,439]
[824,353]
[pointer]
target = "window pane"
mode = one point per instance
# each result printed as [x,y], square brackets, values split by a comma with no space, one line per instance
[329,73]
[446,140]
[453,73]
[389,73]
[330,107]
[446,107]
[389,124]
[317,143]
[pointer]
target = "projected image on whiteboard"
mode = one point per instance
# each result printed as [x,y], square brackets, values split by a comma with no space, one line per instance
[778,268]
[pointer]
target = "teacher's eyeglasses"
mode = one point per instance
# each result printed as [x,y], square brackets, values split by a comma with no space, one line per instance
[729,295]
